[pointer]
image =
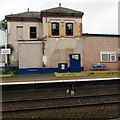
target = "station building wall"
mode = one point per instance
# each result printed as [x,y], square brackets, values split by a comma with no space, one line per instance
[22,35]
[30,54]
[58,50]
[95,45]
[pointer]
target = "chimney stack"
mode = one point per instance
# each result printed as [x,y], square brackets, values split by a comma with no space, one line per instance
[59,4]
[28,10]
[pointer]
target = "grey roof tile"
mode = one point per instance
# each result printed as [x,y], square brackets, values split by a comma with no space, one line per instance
[25,15]
[31,14]
[61,10]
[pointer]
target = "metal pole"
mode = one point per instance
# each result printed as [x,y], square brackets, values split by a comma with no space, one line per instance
[6,57]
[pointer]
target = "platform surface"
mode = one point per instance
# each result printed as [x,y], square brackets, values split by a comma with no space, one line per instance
[61,77]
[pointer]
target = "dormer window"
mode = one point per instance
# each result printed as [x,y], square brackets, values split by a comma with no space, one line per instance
[69,29]
[55,29]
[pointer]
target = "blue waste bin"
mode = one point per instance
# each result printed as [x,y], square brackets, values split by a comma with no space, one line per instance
[62,67]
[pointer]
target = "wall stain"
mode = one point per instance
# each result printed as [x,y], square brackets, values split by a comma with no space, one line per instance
[60,55]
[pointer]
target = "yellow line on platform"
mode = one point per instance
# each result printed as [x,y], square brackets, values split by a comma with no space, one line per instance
[85,74]
[6,75]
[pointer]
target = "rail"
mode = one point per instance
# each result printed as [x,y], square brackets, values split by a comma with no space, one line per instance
[60,102]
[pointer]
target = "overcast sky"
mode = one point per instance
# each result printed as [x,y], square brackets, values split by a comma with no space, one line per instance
[100,16]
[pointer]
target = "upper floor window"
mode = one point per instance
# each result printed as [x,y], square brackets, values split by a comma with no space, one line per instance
[33,32]
[108,56]
[55,28]
[69,29]
[19,32]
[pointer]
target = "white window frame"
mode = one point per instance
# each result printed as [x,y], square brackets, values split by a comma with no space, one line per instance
[110,54]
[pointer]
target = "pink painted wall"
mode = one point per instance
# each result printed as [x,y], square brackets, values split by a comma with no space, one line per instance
[92,47]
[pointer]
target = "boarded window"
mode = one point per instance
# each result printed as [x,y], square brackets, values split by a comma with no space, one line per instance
[19,32]
[69,29]
[55,29]
[33,32]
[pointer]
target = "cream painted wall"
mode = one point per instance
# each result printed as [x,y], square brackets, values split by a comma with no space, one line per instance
[47,20]
[57,49]
[65,45]
[26,36]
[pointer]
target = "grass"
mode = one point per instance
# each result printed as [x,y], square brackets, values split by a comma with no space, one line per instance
[10,71]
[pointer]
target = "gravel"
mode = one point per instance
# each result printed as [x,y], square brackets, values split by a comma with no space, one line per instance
[97,112]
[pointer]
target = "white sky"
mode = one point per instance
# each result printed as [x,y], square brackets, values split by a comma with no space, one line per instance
[100,16]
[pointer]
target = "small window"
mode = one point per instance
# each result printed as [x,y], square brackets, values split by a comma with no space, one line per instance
[55,29]
[69,29]
[108,57]
[33,32]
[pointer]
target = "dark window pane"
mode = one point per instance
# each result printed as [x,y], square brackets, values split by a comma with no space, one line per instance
[69,29]
[55,28]
[33,33]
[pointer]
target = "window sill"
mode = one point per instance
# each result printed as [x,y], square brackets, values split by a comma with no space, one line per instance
[54,36]
[28,40]
[68,36]
[33,38]
[19,39]
[109,62]
[61,36]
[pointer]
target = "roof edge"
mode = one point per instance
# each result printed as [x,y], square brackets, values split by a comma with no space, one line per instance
[99,35]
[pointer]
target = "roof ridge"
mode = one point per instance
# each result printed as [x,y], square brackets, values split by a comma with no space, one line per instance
[61,8]
[36,14]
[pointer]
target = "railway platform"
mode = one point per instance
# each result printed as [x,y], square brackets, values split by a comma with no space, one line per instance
[59,77]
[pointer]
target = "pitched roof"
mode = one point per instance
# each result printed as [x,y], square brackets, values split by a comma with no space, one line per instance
[61,10]
[25,15]
[37,15]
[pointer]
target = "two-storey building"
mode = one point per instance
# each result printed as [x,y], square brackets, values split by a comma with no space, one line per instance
[43,39]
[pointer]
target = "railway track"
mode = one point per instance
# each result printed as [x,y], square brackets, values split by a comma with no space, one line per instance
[39,91]
[59,102]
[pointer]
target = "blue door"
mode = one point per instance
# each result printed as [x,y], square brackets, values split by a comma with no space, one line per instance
[75,62]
